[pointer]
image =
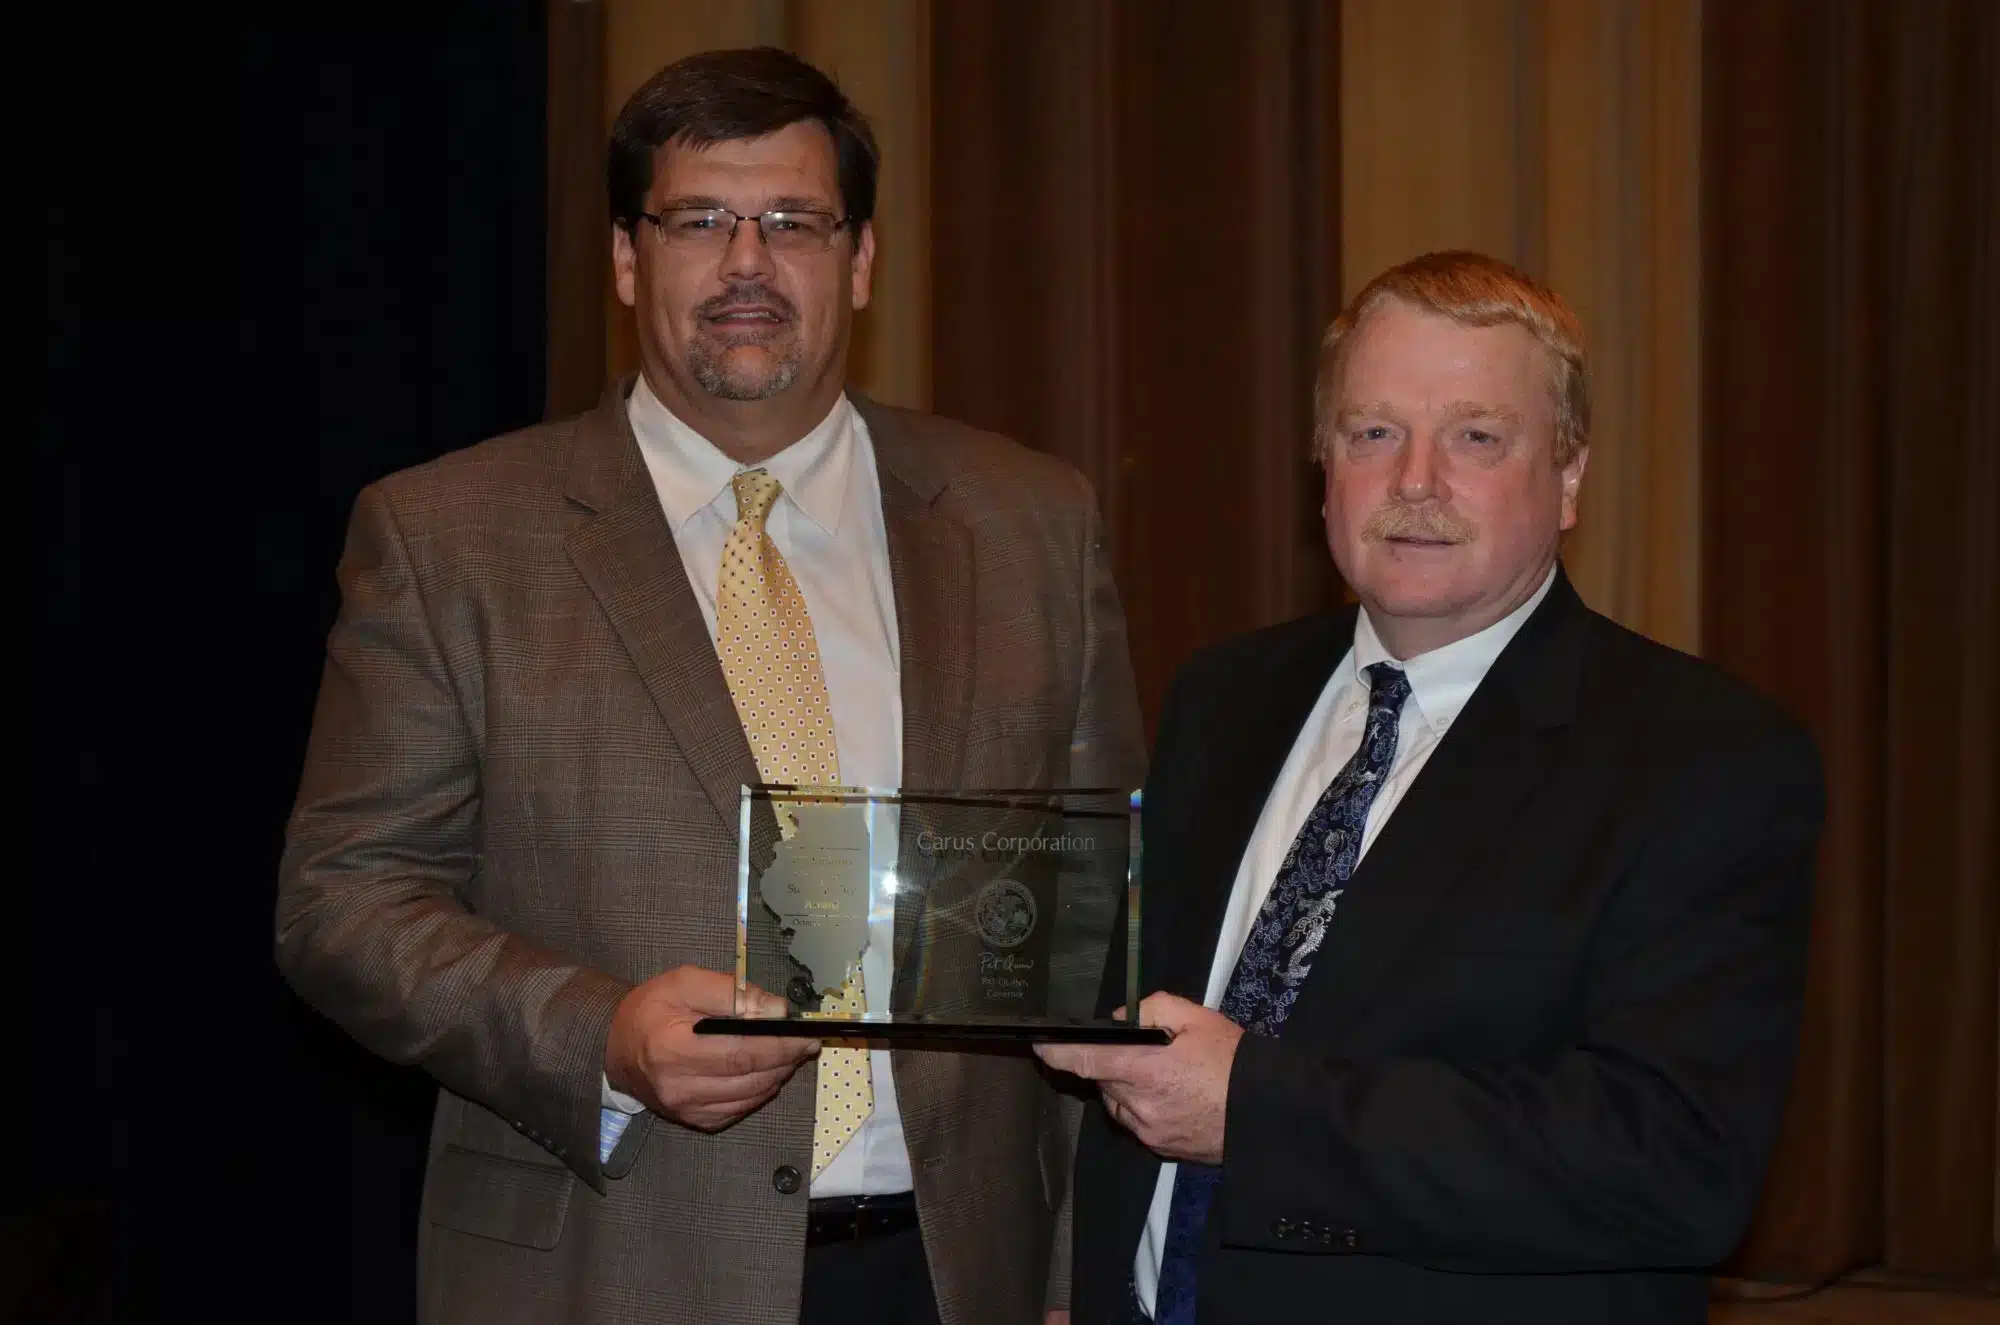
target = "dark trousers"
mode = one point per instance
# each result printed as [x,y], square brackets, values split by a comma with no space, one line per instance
[882,1280]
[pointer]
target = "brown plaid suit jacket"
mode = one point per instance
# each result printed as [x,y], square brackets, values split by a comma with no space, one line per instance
[520,798]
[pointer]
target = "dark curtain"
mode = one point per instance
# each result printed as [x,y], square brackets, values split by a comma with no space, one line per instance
[1852,567]
[579,213]
[1134,244]
[275,262]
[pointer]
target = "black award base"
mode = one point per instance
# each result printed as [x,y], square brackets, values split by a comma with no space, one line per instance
[966,1030]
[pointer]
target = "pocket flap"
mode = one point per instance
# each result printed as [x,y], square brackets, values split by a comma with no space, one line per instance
[490,1196]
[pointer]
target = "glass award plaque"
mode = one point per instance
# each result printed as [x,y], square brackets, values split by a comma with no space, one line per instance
[927,915]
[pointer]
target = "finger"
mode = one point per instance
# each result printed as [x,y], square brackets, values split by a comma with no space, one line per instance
[722,1092]
[1114,1063]
[1118,1013]
[751,1091]
[1170,1011]
[741,1055]
[713,1118]
[1084,1060]
[713,994]
[784,1051]
[1134,1110]
[1061,1057]
[760,1003]
[760,1101]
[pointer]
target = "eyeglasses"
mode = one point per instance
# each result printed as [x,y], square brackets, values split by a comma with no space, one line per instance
[702,228]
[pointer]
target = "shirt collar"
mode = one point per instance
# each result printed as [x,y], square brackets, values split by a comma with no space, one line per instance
[691,474]
[1442,680]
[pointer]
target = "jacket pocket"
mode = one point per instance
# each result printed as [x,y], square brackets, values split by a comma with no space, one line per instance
[491,1196]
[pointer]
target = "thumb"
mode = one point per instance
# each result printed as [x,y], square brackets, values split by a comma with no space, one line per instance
[756,1002]
[713,994]
[1168,1011]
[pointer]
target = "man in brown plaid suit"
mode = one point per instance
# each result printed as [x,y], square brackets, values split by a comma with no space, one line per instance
[513,855]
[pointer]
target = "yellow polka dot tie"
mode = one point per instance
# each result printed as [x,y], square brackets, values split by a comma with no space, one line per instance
[770,658]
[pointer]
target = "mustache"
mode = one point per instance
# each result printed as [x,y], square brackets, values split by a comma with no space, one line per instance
[1425,522]
[754,293]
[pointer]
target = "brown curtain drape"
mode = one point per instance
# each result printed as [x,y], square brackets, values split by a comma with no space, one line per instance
[1563,136]
[578,216]
[1851,567]
[1134,243]
[600,51]
[1134,235]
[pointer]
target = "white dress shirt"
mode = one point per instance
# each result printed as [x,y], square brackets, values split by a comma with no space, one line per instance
[1441,682]
[827,524]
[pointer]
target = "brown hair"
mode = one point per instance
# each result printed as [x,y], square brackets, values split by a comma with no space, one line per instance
[1473,290]
[722,96]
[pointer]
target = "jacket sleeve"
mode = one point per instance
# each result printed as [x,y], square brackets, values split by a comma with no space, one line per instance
[373,928]
[1644,1144]
[1108,742]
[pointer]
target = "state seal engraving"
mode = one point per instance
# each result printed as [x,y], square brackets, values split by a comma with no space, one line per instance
[1005,913]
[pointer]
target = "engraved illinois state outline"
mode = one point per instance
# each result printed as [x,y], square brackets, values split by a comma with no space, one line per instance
[817,886]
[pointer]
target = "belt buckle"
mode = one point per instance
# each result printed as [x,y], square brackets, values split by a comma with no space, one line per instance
[859,1217]
[870,1215]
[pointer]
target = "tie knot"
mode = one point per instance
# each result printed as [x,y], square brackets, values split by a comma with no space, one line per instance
[755,493]
[1388,686]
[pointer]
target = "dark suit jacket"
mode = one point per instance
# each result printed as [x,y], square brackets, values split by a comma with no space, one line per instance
[1536,1070]
[521,797]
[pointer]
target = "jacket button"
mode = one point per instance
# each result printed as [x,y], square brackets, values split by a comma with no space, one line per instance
[1282,1229]
[786,1179]
[1349,1239]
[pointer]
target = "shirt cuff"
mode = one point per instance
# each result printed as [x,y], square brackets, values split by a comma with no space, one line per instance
[609,1098]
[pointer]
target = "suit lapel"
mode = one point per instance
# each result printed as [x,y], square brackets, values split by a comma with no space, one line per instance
[1497,752]
[930,567]
[1245,761]
[930,564]
[627,557]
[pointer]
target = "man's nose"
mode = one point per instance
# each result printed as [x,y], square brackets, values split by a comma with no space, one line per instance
[1417,470]
[746,254]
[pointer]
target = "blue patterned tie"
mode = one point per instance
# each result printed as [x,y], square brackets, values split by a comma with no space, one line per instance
[1279,953]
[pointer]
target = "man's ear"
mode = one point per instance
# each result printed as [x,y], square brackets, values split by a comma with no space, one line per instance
[864,264]
[1572,483]
[625,265]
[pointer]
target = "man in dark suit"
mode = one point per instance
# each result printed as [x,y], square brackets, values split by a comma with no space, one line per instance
[561,654]
[1480,922]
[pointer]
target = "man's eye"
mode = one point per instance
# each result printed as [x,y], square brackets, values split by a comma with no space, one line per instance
[1372,433]
[1480,436]
[694,225]
[783,223]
